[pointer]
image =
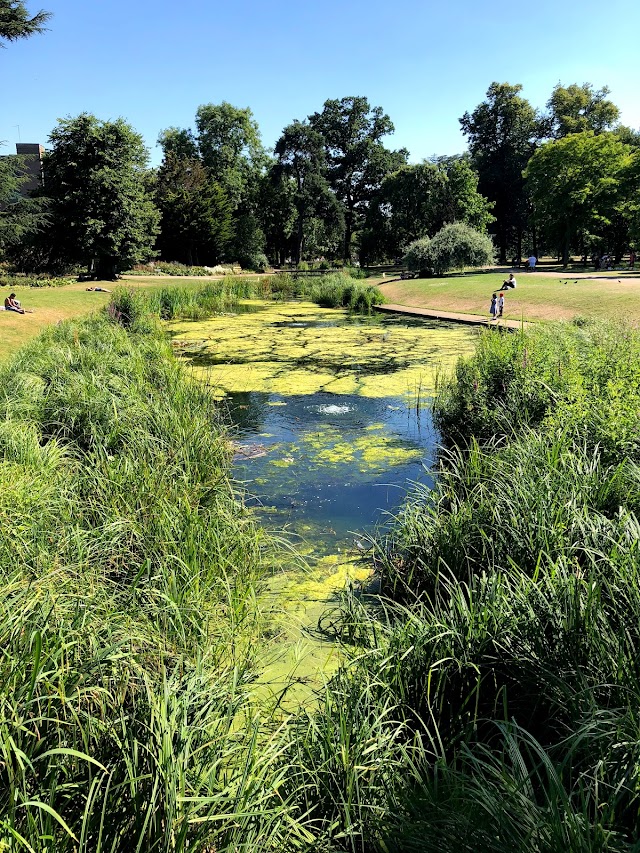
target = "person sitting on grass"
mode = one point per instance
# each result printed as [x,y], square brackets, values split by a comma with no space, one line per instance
[12,304]
[510,282]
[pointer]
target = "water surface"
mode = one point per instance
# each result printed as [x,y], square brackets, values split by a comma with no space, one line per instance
[331,426]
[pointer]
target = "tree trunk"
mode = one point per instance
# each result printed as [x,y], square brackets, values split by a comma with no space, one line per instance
[107,268]
[534,239]
[348,234]
[299,240]
[565,252]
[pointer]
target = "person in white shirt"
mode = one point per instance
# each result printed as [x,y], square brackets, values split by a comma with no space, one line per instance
[510,282]
[531,262]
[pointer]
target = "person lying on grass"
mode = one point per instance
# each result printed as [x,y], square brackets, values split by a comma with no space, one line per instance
[98,289]
[12,304]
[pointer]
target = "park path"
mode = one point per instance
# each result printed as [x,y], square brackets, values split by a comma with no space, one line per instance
[451,317]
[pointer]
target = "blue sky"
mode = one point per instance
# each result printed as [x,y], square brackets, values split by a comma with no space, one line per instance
[154,61]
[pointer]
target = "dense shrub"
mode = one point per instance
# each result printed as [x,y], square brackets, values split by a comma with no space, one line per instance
[454,247]
[34,281]
[417,256]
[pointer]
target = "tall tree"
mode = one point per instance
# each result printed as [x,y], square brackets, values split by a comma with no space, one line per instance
[20,215]
[502,133]
[230,147]
[357,160]
[16,22]
[101,212]
[301,158]
[197,223]
[576,185]
[575,109]
[418,200]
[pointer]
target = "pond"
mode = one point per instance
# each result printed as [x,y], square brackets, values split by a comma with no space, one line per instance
[331,426]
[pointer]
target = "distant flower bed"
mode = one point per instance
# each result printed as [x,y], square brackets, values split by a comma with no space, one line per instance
[177,269]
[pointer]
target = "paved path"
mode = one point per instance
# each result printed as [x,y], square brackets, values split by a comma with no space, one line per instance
[467,319]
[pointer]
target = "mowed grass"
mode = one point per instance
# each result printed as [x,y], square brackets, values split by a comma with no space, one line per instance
[535,298]
[52,304]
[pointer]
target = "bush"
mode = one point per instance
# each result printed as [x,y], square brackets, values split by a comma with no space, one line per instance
[417,256]
[34,281]
[454,247]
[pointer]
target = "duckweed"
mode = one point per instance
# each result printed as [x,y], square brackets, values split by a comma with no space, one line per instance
[303,349]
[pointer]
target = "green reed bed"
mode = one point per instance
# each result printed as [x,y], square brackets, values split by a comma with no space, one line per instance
[128,620]
[509,653]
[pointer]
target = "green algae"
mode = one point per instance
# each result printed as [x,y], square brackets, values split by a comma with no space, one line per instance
[300,348]
[296,349]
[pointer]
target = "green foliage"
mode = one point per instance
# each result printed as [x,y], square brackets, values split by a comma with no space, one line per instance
[417,256]
[125,563]
[454,247]
[302,164]
[575,186]
[20,215]
[502,133]
[357,160]
[339,290]
[100,209]
[17,23]
[196,223]
[576,109]
[34,281]
[418,200]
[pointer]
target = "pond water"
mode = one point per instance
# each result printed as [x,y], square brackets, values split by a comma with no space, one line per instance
[331,425]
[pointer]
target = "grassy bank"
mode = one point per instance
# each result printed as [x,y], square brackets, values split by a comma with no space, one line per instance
[535,298]
[514,659]
[128,616]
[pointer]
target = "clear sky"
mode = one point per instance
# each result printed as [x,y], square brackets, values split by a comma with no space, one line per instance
[154,61]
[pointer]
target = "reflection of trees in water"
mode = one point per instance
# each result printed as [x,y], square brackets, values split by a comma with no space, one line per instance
[247,410]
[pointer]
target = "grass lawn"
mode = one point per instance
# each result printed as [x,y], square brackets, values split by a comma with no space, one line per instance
[535,298]
[51,304]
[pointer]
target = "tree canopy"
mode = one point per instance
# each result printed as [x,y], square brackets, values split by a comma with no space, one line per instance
[357,160]
[574,184]
[418,200]
[16,22]
[102,215]
[575,109]
[503,132]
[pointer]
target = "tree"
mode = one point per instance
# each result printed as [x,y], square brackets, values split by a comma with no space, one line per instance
[227,141]
[20,215]
[197,223]
[230,147]
[502,133]
[95,178]
[454,247]
[357,160]
[576,109]
[17,23]
[418,200]
[575,186]
[301,159]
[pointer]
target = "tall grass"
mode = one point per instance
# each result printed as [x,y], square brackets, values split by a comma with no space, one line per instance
[129,619]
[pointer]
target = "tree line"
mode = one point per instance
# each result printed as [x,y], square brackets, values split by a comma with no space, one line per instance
[560,180]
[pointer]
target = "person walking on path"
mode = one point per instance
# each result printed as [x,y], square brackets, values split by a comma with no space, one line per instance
[493,308]
[501,305]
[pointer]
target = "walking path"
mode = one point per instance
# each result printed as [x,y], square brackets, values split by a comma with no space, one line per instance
[467,319]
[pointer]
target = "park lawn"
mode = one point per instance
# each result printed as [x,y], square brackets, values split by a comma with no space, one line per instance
[52,304]
[535,298]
